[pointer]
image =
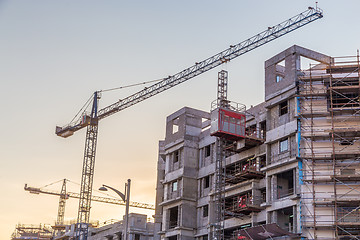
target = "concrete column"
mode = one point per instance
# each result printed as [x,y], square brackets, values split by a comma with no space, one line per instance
[254,220]
[268,217]
[274,217]
[268,190]
[268,154]
[296,219]
[256,193]
[273,188]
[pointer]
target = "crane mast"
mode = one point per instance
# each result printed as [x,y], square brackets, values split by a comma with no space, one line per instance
[62,202]
[91,122]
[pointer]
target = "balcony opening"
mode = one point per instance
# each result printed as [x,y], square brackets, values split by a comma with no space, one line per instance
[286,219]
[137,236]
[285,184]
[173,217]
[172,238]
[242,171]
[244,203]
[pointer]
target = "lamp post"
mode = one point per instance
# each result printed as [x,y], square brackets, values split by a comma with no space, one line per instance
[126,198]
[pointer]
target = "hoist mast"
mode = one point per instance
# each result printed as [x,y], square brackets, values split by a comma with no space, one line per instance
[91,122]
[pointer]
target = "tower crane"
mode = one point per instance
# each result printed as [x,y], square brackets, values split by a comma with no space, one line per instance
[68,195]
[64,195]
[91,121]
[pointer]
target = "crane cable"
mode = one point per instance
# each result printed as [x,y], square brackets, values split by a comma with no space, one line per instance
[67,180]
[87,103]
[52,183]
[131,85]
[107,194]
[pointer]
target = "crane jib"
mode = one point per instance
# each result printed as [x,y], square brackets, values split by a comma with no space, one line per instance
[214,61]
[234,51]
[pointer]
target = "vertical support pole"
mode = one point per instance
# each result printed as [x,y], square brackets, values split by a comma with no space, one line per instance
[333,154]
[127,194]
[218,233]
[87,173]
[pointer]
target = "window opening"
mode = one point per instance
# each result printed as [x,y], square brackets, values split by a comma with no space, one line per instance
[206,181]
[175,125]
[207,151]
[176,156]
[284,145]
[263,129]
[205,210]
[283,108]
[263,195]
[262,161]
[174,186]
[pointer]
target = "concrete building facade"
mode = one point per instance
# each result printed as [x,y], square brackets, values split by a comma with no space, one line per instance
[298,165]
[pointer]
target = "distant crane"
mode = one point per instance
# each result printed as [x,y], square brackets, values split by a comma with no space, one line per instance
[91,121]
[59,225]
[68,195]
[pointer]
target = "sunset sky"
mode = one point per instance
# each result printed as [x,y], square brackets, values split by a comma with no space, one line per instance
[54,54]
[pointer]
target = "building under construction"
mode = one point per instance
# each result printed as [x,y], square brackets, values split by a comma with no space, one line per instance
[287,167]
[32,232]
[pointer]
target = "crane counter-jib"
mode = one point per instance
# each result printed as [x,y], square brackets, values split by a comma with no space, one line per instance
[232,52]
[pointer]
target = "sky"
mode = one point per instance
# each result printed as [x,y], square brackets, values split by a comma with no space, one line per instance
[55,54]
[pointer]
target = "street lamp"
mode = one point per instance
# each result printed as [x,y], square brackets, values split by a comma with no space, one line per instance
[126,198]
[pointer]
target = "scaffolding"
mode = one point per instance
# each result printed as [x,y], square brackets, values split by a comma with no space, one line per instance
[329,114]
[32,232]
